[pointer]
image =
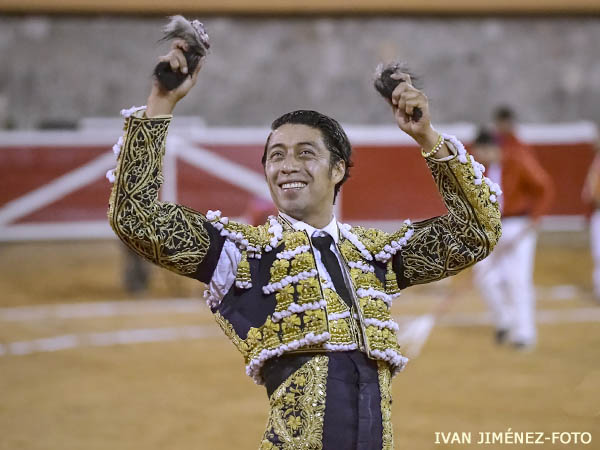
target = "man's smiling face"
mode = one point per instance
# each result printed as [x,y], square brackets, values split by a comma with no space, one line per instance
[299,173]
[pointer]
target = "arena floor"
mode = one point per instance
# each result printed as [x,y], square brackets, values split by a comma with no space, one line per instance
[82,366]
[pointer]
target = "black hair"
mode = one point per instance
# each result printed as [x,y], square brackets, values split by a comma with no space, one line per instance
[333,134]
[504,112]
[485,137]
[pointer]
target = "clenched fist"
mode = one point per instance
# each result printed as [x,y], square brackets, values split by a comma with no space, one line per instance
[162,101]
[405,100]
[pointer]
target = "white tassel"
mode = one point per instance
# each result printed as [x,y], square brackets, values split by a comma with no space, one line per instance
[129,112]
[254,366]
[370,292]
[338,316]
[295,308]
[117,147]
[390,250]
[345,231]
[272,287]
[478,169]
[340,347]
[382,324]
[110,175]
[361,266]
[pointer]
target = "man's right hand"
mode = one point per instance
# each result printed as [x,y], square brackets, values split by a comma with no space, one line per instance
[162,102]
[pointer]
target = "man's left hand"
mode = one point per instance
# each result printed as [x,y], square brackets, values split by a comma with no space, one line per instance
[405,99]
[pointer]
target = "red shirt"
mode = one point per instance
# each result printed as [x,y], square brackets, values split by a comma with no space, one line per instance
[526,186]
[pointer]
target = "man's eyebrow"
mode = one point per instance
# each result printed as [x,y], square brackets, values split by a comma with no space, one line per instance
[280,144]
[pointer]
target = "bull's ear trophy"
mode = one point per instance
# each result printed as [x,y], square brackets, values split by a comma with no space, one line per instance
[195,36]
[385,84]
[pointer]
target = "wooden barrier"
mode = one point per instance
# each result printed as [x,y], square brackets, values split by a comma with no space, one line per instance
[52,184]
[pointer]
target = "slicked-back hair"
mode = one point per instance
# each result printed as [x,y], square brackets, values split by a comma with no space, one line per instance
[334,137]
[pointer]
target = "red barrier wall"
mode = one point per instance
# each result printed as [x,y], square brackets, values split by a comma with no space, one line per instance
[390,183]
[387,182]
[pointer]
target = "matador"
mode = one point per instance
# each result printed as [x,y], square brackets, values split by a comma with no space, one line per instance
[304,298]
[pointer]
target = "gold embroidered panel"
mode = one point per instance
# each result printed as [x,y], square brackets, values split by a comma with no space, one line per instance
[385,389]
[169,235]
[446,245]
[298,409]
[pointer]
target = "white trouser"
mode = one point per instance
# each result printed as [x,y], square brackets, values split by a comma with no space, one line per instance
[505,279]
[595,244]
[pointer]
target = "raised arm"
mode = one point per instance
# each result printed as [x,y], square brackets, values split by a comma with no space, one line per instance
[442,246]
[172,236]
[445,245]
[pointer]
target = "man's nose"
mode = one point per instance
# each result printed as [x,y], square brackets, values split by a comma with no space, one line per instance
[290,164]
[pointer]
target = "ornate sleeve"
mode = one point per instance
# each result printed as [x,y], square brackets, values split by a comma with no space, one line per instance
[172,236]
[443,246]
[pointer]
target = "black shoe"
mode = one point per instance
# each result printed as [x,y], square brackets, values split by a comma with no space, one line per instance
[521,346]
[501,336]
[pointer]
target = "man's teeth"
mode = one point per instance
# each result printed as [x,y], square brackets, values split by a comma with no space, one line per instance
[296,185]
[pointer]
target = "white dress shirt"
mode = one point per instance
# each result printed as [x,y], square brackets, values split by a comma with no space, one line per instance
[332,229]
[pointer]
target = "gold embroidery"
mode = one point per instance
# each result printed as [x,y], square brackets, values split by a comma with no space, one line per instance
[169,235]
[443,246]
[399,234]
[385,389]
[349,251]
[314,320]
[243,277]
[298,408]
[279,270]
[367,280]
[291,328]
[340,332]
[377,338]
[487,212]
[381,338]
[258,237]
[253,338]
[391,281]
[294,239]
[446,245]
[308,291]
[301,263]
[284,298]
[340,329]
[271,333]
[335,305]
[294,325]
[373,239]
[374,308]
[232,335]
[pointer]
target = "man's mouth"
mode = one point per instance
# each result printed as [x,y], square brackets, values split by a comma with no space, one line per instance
[296,185]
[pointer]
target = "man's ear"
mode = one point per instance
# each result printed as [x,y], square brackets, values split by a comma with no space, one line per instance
[338,172]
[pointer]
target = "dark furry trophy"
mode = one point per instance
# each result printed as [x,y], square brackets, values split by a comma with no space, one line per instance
[385,84]
[194,35]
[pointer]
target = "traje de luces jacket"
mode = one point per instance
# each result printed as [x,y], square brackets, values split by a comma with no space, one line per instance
[278,303]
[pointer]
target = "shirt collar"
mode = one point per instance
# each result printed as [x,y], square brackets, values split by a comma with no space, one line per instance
[331,229]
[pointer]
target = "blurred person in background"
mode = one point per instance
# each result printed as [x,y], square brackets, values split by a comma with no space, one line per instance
[591,196]
[505,279]
[504,128]
[304,298]
[136,273]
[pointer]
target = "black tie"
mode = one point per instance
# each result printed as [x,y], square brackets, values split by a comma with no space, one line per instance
[332,264]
